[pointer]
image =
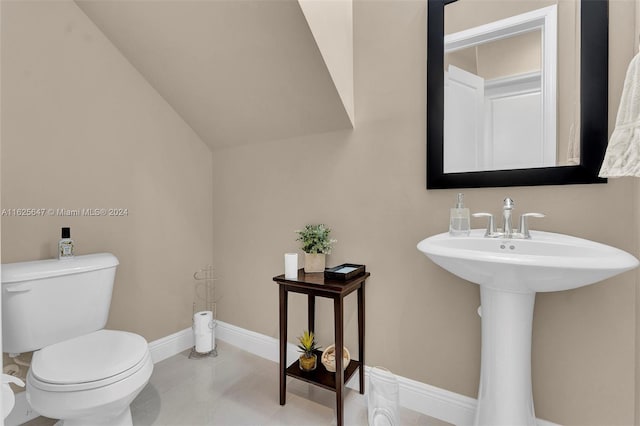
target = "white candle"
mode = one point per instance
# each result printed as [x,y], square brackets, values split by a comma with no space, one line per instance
[291,265]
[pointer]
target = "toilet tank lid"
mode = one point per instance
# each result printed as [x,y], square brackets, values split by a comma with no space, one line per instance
[49,268]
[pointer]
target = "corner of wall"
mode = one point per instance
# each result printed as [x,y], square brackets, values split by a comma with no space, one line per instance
[331,24]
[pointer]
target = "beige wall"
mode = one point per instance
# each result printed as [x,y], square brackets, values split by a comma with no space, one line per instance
[82,129]
[636,219]
[506,57]
[368,184]
[511,56]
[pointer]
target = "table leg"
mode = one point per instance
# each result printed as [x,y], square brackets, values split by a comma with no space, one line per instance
[283,344]
[338,318]
[311,311]
[361,335]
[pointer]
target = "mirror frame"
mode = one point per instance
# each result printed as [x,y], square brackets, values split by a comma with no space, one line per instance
[594,83]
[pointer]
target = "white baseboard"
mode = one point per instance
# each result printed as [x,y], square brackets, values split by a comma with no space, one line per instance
[437,402]
[171,345]
[250,341]
[432,401]
[255,343]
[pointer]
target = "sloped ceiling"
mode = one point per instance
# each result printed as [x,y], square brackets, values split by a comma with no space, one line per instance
[236,71]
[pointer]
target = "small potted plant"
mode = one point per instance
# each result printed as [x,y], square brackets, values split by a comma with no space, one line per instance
[316,244]
[307,345]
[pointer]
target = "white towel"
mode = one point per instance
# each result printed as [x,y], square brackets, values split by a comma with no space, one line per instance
[623,152]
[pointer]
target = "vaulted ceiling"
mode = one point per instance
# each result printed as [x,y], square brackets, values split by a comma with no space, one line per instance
[237,71]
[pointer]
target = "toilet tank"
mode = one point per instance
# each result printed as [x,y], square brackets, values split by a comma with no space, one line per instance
[48,301]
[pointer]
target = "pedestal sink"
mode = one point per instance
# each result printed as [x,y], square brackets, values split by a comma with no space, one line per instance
[510,272]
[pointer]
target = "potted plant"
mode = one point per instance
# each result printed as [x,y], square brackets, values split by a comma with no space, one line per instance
[316,244]
[307,345]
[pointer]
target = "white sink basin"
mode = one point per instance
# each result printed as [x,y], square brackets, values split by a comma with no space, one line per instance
[546,262]
[509,273]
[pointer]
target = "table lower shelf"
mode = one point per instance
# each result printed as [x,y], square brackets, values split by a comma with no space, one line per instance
[320,376]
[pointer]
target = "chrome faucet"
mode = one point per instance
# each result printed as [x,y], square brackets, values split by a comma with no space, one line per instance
[507,230]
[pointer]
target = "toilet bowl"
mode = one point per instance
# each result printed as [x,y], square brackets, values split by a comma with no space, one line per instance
[80,373]
[90,379]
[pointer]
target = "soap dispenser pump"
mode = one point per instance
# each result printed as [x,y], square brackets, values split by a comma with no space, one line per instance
[460,220]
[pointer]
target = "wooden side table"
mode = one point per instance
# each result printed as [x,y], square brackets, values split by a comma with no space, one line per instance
[316,285]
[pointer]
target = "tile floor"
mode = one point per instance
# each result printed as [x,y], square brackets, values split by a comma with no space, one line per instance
[238,388]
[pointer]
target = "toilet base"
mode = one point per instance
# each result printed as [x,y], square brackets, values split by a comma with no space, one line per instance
[123,419]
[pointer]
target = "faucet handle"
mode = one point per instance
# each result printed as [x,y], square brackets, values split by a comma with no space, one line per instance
[524,225]
[491,227]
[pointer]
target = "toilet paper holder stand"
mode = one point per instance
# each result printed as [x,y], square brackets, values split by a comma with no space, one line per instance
[205,279]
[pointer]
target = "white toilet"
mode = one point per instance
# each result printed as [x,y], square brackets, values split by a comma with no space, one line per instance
[81,373]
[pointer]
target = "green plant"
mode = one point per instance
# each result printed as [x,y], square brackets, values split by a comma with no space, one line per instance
[307,344]
[315,239]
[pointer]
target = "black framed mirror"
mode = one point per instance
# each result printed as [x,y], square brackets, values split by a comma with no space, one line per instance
[593,109]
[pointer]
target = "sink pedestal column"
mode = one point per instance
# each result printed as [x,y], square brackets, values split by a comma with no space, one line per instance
[505,395]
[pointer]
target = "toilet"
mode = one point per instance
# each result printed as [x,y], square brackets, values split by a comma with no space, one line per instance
[80,373]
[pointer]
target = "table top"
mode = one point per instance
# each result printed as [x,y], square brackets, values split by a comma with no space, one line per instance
[316,281]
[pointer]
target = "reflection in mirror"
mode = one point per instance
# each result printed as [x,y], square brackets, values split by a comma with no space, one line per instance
[500,88]
[513,98]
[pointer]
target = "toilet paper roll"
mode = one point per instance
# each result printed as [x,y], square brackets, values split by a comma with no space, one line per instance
[291,265]
[203,331]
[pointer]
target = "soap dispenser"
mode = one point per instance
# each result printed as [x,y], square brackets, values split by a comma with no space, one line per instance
[65,245]
[460,220]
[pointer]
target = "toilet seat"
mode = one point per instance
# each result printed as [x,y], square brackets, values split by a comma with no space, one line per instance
[90,361]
